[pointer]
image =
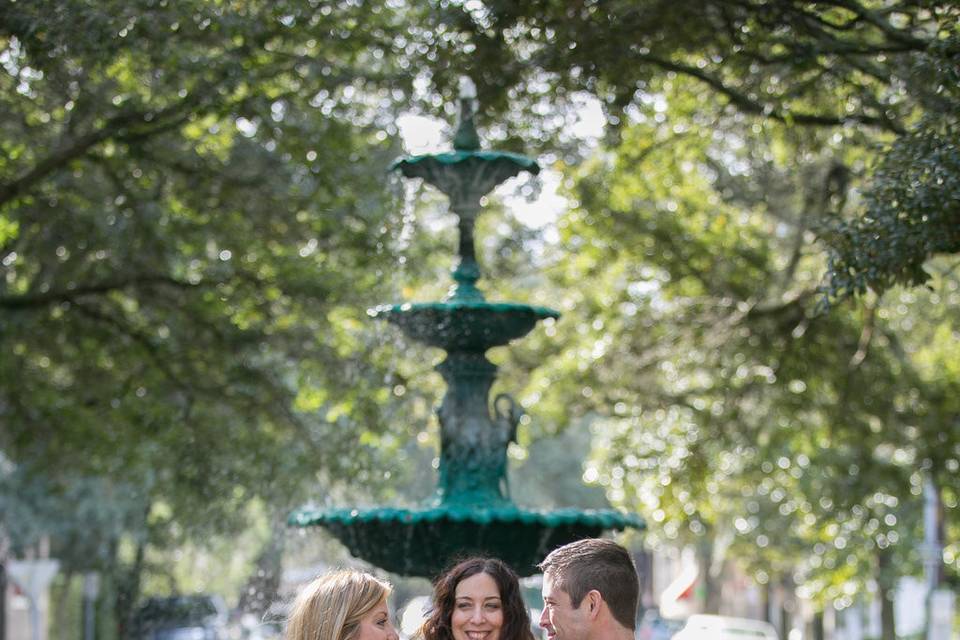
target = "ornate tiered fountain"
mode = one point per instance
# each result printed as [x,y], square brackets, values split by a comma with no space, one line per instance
[471,511]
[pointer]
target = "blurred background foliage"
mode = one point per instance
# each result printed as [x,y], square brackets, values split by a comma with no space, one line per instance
[195,214]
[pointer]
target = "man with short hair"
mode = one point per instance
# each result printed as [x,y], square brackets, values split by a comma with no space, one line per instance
[590,592]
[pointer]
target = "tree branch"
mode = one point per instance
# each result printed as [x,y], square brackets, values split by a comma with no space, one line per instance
[866,335]
[874,18]
[33,301]
[136,124]
[747,105]
[141,339]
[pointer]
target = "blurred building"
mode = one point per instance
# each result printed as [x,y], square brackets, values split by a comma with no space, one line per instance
[672,582]
[26,598]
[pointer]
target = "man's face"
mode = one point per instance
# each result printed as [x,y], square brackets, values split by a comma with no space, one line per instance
[559,618]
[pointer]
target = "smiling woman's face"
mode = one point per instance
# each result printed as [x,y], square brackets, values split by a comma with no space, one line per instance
[477,609]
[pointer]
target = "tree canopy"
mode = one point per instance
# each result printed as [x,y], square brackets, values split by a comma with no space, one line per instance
[195,214]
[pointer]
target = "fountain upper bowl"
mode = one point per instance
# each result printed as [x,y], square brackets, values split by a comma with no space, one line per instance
[464,325]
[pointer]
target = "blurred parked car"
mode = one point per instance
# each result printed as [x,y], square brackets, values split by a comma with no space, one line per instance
[654,627]
[190,617]
[709,627]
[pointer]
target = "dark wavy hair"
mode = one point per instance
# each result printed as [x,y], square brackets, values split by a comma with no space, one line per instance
[516,620]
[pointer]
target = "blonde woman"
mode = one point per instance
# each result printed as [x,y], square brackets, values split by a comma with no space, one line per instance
[343,605]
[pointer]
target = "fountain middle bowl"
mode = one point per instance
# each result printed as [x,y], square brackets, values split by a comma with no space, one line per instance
[423,542]
[464,325]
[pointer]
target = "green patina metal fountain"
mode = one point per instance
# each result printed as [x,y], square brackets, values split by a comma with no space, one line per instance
[471,511]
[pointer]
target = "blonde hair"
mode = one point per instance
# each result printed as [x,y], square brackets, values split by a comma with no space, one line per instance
[331,607]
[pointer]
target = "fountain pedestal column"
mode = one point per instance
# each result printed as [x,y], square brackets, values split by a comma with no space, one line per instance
[467,271]
[473,449]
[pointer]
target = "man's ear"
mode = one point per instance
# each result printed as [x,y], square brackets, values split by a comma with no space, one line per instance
[594,602]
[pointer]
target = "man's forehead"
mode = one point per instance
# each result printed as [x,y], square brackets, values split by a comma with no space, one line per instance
[552,586]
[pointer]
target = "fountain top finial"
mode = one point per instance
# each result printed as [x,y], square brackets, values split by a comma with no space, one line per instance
[466,137]
[468,90]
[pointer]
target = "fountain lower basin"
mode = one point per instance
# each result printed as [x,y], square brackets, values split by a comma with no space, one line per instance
[422,542]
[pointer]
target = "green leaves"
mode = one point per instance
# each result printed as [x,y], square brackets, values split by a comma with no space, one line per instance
[912,213]
[912,203]
[725,409]
[191,194]
[194,216]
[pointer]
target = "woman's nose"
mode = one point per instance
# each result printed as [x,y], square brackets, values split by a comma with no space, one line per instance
[392,632]
[477,614]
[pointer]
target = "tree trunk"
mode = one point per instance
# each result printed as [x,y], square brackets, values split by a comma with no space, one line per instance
[128,592]
[787,605]
[887,620]
[817,625]
[60,629]
[711,592]
[644,562]
[767,602]
[714,592]
[104,613]
[3,593]
[885,591]
[784,620]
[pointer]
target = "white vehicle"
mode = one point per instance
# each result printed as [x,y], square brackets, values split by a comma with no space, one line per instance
[708,627]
